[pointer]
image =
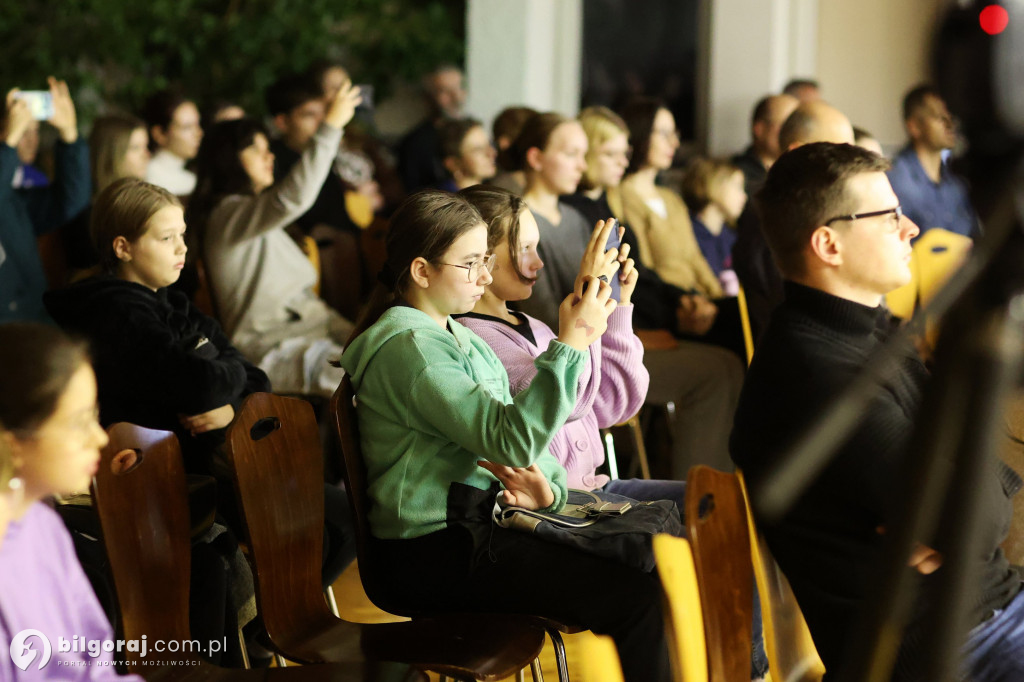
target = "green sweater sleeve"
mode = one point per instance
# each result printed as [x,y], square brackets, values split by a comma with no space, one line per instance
[478,414]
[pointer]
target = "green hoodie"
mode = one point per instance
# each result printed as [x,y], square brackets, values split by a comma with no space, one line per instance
[432,403]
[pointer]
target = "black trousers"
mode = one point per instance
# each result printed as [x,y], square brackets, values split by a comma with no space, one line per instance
[520,573]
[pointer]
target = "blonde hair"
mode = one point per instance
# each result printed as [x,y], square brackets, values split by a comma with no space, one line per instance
[108,144]
[600,124]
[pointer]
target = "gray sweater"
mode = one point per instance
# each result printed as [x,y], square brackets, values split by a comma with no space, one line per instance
[260,279]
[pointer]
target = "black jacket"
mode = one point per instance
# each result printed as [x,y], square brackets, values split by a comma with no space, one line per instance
[828,544]
[156,357]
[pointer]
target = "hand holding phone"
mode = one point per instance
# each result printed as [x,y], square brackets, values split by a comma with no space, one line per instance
[614,242]
[599,260]
[40,103]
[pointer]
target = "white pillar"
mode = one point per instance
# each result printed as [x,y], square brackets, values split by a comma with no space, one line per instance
[523,52]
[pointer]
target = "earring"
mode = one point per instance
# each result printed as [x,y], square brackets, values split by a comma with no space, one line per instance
[16,490]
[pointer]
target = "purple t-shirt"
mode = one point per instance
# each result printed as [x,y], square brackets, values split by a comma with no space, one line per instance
[43,588]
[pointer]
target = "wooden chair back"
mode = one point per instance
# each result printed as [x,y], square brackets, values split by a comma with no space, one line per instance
[748,335]
[274,448]
[683,611]
[141,497]
[792,656]
[716,525]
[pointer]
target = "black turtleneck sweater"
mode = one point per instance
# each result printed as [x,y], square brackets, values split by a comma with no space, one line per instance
[828,544]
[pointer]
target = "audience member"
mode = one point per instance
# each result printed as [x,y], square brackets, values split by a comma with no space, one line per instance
[28,175]
[174,136]
[48,416]
[866,140]
[665,237]
[769,115]
[930,193]
[419,161]
[222,110]
[554,152]
[505,129]
[260,279]
[297,108]
[441,435]
[804,89]
[751,257]
[467,153]
[834,225]
[28,213]
[118,148]
[713,191]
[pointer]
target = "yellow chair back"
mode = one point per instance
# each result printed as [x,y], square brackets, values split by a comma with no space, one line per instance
[684,618]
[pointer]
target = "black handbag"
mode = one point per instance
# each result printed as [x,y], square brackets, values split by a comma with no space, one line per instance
[600,523]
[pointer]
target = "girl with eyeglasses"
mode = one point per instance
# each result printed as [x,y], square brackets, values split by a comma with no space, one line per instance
[51,441]
[442,435]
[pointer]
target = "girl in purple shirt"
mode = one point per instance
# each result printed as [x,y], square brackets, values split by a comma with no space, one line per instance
[49,427]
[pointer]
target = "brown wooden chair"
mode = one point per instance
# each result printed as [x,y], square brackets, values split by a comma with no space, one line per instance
[343,411]
[716,523]
[140,495]
[274,448]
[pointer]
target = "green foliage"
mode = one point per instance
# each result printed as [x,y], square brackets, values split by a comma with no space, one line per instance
[119,51]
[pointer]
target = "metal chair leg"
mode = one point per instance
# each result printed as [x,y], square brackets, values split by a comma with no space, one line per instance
[331,602]
[521,675]
[535,670]
[281,662]
[245,652]
[559,647]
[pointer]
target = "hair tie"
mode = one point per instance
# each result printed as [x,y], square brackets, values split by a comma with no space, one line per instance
[387,277]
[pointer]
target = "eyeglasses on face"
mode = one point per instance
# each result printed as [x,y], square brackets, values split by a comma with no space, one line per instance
[473,269]
[896,211]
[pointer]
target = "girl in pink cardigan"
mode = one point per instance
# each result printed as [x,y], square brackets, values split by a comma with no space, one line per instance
[613,386]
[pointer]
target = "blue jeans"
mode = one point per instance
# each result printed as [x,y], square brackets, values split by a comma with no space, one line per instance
[995,649]
[646,490]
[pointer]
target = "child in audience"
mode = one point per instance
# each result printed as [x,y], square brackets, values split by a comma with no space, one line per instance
[713,191]
[505,129]
[434,401]
[175,133]
[614,382]
[49,429]
[260,280]
[467,153]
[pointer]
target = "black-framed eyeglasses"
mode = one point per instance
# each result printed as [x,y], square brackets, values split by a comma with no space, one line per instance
[896,211]
[473,269]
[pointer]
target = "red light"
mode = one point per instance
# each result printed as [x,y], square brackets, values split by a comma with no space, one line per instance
[993,19]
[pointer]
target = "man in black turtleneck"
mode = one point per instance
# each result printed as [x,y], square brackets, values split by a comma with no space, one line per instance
[836,232]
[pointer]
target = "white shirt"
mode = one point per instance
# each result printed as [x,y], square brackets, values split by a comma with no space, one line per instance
[168,171]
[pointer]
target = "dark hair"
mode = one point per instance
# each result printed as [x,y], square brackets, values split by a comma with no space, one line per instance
[804,188]
[793,86]
[500,209]
[219,171]
[290,92]
[37,363]
[916,99]
[536,132]
[158,111]
[508,124]
[761,109]
[452,132]
[425,225]
[123,209]
[860,134]
[209,116]
[702,178]
[639,115]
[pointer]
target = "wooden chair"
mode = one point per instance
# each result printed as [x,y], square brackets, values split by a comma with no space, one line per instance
[140,496]
[748,335]
[716,527]
[683,612]
[343,411]
[792,656]
[600,663]
[274,448]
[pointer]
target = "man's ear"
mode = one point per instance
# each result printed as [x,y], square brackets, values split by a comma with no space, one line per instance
[420,271]
[159,135]
[281,123]
[825,245]
[534,158]
[122,249]
[913,126]
[757,130]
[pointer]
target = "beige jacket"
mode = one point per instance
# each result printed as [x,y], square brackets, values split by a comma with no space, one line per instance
[666,245]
